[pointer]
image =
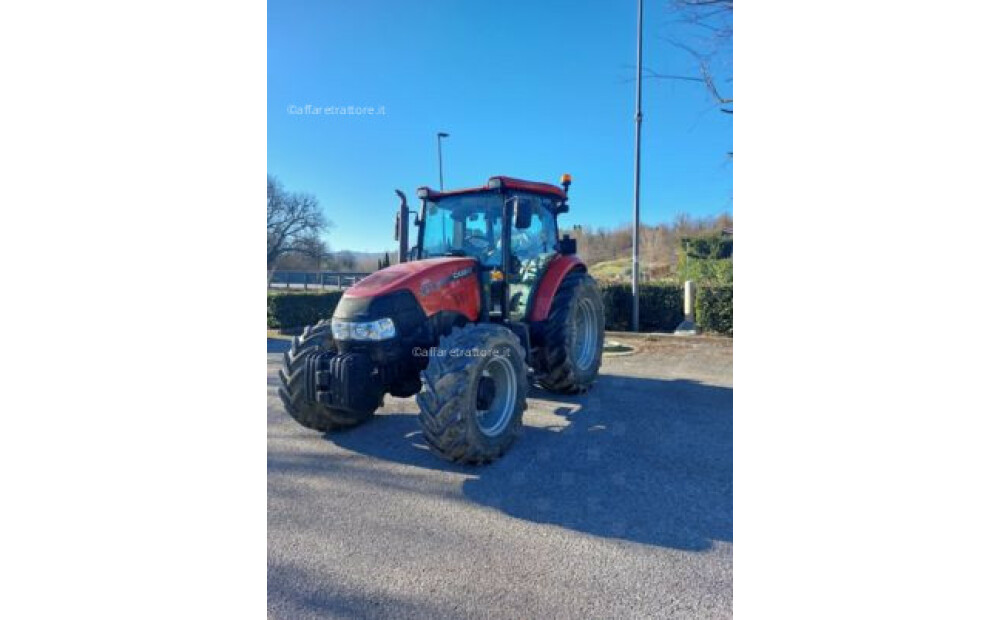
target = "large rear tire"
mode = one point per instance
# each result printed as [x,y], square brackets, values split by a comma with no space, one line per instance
[297,388]
[573,337]
[474,394]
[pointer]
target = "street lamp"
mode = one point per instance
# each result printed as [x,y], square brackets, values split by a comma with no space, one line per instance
[441,134]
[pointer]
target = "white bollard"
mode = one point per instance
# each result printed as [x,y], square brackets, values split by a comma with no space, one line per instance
[689,300]
[688,326]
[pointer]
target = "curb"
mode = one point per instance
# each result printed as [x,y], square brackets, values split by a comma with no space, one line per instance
[671,336]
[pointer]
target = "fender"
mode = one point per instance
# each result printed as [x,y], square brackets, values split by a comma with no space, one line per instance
[558,267]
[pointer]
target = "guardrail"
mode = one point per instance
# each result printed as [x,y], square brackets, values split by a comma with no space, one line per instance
[316,279]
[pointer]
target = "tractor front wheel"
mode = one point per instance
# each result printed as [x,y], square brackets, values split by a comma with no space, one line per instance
[474,394]
[297,383]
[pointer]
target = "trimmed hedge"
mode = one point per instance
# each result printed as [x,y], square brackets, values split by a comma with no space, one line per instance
[299,309]
[713,309]
[661,307]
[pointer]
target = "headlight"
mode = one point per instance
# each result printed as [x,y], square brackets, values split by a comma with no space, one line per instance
[382,329]
[341,330]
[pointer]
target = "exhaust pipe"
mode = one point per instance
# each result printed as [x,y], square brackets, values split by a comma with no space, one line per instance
[403,227]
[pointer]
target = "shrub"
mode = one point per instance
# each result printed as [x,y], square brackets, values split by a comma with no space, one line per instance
[299,309]
[706,271]
[713,309]
[661,307]
[713,246]
[706,259]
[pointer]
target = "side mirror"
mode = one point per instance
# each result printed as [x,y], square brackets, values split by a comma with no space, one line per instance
[522,213]
[397,227]
[566,245]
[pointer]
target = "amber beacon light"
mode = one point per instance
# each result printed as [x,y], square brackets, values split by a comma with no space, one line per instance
[565,181]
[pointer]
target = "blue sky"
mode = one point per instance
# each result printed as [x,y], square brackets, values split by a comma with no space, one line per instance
[525,89]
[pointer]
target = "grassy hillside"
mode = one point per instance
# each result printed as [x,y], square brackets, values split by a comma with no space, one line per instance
[620,270]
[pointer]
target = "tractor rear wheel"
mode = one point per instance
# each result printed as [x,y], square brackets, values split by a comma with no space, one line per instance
[297,383]
[573,336]
[474,393]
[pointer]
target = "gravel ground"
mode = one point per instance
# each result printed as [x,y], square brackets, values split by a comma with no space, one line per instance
[615,504]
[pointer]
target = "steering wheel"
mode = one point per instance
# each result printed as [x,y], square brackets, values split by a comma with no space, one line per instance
[477,243]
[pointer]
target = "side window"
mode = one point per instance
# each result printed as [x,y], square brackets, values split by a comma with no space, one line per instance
[538,240]
[440,229]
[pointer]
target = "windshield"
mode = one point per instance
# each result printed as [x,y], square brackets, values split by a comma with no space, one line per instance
[468,225]
[471,225]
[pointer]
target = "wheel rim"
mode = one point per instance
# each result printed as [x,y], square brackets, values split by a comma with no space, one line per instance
[493,419]
[584,333]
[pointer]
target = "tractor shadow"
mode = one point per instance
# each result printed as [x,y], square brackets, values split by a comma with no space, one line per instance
[278,345]
[636,459]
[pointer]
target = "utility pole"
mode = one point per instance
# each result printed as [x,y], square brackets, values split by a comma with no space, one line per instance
[638,133]
[441,134]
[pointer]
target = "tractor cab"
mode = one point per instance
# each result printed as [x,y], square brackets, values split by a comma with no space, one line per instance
[508,226]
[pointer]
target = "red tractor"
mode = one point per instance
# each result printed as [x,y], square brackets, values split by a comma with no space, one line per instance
[488,291]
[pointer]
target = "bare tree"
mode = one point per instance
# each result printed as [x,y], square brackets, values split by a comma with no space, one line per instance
[315,249]
[708,25]
[294,221]
[348,260]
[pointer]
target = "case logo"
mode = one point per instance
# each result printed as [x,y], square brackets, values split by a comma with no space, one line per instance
[427,286]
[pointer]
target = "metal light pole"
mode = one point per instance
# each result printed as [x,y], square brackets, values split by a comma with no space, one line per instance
[638,133]
[441,134]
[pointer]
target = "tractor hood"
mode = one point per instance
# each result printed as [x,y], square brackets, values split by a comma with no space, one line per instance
[413,276]
[438,284]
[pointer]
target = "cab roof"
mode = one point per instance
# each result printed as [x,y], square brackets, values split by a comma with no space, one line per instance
[496,182]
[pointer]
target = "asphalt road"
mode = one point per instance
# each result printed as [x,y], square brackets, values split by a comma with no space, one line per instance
[615,504]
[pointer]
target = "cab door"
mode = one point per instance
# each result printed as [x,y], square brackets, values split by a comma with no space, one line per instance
[531,250]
